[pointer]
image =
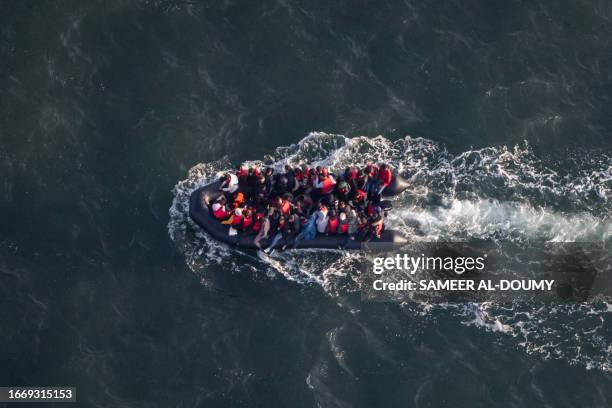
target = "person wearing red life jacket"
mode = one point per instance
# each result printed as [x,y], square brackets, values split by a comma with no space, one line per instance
[372,170]
[385,176]
[235,220]
[377,223]
[257,221]
[247,219]
[343,226]
[242,173]
[332,223]
[219,209]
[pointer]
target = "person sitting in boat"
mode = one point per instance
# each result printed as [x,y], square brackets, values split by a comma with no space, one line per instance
[385,175]
[235,220]
[343,225]
[322,218]
[219,209]
[324,184]
[242,174]
[377,224]
[276,231]
[343,191]
[332,223]
[230,183]
[363,228]
[238,199]
[264,229]
[291,230]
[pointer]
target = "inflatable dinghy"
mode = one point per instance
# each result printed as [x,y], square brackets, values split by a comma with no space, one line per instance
[202,198]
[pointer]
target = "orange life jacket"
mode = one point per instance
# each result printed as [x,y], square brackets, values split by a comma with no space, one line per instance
[328,185]
[285,207]
[239,200]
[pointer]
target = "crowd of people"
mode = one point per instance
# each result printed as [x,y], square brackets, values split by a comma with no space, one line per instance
[301,202]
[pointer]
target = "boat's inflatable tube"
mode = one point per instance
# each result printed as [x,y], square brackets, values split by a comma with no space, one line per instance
[203,197]
[398,184]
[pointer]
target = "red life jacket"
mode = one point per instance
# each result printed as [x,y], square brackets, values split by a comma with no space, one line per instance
[370,209]
[221,214]
[385,176]
[344,227]
[237,219]
[378,229]
[361,195]
[353,175]
[242,172]
[332,225]
[247,221]
[328,185]
[257,223]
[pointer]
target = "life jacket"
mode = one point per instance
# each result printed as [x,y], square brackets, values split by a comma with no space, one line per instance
[353,175]
[237,219]
[370,209]
[220,214]
[378,229]
[385,176]
[285,207]
[242,174]
[328,185]
[373,170]
[239,200]
[344,227]
[332,225]
[247,221]
[256,171]
[257,223]
[361,195]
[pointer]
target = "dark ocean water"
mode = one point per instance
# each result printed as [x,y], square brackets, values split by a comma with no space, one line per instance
[502,108]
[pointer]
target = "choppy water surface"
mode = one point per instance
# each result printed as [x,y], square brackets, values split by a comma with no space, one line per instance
[111,113]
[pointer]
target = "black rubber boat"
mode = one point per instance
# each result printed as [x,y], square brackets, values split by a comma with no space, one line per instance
[202,198]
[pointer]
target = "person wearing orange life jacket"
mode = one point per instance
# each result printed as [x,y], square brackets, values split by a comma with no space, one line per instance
[332,223]
[324,184]
[239,199]
[219,209]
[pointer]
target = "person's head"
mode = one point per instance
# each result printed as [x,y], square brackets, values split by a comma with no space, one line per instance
[384,166]
[332,213]
[238,212]
[269,171]
[228,177]
[287,168]
[247,212]
[324,172]
[342,216]
[262,180]
[343,186]
[222,199]
[342,205]
[271,211]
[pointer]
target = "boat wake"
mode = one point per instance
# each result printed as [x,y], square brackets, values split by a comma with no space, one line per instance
[495,193]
